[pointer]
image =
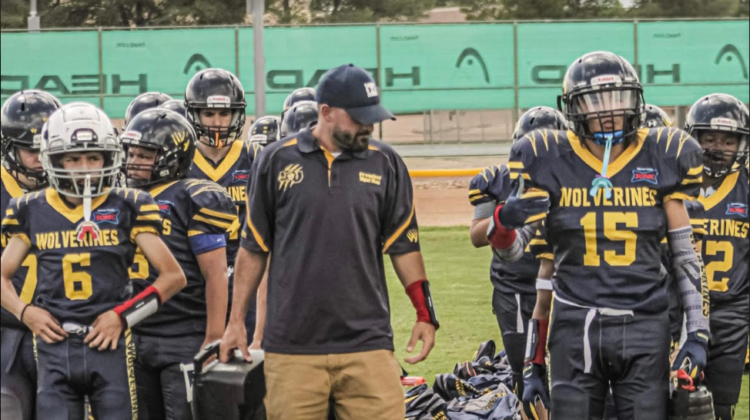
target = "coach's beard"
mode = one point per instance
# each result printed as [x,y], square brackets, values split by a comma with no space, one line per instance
[346,141]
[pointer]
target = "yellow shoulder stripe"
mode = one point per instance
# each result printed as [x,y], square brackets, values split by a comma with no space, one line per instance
[217,214]
[148,217]
[149,207]
[399,231]
[212,222]
[695,171]
[515,165]
[142,229]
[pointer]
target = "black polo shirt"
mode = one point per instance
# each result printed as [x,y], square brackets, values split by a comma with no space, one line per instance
[327,223]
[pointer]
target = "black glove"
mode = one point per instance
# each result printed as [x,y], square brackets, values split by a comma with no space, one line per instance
[534,389]
[693,354]
[490,185]
[523,207]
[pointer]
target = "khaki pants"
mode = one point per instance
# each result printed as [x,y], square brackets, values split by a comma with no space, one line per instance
[361,385]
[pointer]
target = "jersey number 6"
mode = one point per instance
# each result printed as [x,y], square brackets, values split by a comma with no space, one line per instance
[77,283]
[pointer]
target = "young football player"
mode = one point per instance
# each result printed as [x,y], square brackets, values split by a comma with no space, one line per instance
[720,124]
[160,145]
[614,190]
[23,116]
[84,236]
[215,102]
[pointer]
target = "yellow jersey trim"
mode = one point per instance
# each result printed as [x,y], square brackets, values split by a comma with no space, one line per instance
[219,215]
[75,214]
[10,184]
[615,166]
[399,231]
[229,160]
[726,187]
[160,189]
[216,223]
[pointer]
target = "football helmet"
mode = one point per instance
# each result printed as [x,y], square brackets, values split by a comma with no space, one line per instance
[167,133]
[80,127]
[720,112]
[22,117]
[264,130]
[143,102]
[216,89]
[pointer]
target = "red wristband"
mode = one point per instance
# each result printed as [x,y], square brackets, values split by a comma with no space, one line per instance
[500,237]
[416,295]
[119,309]
[541,345]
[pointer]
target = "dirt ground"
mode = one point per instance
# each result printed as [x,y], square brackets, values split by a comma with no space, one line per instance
[444,201]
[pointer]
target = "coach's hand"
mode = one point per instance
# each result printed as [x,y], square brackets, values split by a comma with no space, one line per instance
[534,391]
[235,337]
[424,332]
[43,325]
[106,331]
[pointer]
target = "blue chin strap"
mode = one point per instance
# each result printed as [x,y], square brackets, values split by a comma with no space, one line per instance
[601,181]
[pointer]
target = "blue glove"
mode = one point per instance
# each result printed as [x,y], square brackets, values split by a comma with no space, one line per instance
[693,354]
[523,207]
[534,390]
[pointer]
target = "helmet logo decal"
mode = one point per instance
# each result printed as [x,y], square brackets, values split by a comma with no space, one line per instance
[179,138]
[470,54]
[290,176]
[197,60]
[723,124]
[606,79]
[218,101]
[731,49]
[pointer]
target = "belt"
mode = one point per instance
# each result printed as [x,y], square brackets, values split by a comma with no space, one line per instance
[592,312]
[76,329]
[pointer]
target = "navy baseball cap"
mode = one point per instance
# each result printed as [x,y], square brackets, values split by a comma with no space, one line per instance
[353,89]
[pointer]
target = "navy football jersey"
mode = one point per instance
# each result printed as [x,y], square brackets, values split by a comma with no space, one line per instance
[493,185]
[726,247]
[233,174]
[606,249]
[25,278]
[80,279]
[189,208]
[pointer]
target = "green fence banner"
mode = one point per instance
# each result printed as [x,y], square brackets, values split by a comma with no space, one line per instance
[418,67]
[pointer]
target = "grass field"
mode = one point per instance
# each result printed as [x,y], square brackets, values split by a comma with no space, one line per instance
[459,276]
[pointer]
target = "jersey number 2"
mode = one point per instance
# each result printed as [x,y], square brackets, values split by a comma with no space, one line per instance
[611,220]
[713,248]
[77,283]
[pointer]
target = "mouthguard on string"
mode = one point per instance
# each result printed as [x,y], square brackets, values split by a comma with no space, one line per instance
[602,181]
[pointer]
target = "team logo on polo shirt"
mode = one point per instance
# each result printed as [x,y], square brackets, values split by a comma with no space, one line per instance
[412,235]
[290,176]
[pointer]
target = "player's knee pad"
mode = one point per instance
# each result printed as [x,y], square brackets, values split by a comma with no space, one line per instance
[571,402]
[652,404]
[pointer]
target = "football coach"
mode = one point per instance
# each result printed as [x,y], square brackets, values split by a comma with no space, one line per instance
[327,203]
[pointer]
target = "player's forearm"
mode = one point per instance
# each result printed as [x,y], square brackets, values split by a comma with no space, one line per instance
[409,267]
[217,296]
[248,272]
[543,304]
[260,309]
[169,283]
[478,232]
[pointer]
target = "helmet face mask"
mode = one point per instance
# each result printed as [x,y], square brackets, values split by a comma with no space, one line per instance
[713,119]
[602,98]
[216,90]
[169,136]
[80,128]
[23,116]
[614,112]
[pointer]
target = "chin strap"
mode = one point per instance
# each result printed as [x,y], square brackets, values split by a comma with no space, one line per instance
[602,181]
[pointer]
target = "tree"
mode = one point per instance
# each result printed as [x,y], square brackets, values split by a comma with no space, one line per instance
[513,9]
[690,8]
[342,11]
[13,14]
